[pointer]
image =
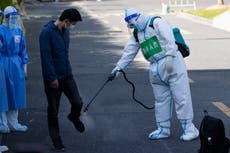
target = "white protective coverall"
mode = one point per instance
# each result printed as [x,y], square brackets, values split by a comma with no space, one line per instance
[168,75]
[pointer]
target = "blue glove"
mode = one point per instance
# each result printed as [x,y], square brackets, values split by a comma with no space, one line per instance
[114,73]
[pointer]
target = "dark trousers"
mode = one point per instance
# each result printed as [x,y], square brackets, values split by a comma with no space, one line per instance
[67,86]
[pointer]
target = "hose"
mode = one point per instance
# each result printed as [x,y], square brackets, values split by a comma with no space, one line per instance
[87,107]
[133,92]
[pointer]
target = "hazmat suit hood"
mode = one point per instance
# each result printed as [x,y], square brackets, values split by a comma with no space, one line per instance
[10,17]
[136,19]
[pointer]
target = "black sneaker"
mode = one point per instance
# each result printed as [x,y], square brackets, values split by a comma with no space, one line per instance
[77,123]
[58,146]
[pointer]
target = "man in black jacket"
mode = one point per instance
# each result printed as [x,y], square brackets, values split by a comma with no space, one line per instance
[57,73]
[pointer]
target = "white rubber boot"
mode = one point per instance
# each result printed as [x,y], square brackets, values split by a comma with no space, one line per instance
[3,123]
[163,131]
[3,148]
[12,117]
[190,131]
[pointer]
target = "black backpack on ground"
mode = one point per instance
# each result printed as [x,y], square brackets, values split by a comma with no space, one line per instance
[212,136]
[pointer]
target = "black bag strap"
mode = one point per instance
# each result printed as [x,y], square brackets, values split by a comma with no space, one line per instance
[152,20]
[135,35]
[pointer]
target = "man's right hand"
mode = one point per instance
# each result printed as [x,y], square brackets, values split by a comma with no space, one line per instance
[113,73]
[54,84]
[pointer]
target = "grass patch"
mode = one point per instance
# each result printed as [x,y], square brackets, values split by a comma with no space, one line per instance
[208,13]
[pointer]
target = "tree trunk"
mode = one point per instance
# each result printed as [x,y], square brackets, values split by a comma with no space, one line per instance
[220,2]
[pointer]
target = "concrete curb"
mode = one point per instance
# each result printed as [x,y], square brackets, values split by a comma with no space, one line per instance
[203,21]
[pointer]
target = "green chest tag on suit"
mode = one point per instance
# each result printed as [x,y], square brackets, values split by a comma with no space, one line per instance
[150,47]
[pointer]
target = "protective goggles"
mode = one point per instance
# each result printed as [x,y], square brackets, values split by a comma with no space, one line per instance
[130,17]
[11,14]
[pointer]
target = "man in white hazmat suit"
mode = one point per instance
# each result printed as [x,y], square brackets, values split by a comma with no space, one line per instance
[168,75]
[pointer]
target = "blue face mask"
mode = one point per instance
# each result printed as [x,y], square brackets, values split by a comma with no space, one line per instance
[137,27]
[132,21]
[71,27]
[13,21]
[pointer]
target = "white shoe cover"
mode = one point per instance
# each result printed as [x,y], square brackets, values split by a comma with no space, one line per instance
[18,127]
[3,148]
[4,129]
[12,117]
[190,133]
[3,123]
[160,133]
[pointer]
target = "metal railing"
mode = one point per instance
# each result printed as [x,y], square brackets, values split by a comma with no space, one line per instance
[182,3]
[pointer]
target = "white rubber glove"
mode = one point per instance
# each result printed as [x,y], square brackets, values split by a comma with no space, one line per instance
[169,64]
[114,73]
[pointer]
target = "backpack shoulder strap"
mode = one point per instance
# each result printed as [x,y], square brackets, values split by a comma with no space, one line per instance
[135,35]
[152,20]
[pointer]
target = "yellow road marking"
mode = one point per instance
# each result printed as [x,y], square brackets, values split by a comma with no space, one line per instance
[37,17]
[116,29]
[225,109]
[105,21]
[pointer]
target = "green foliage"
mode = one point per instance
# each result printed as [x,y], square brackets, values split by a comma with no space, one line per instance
[208,13]
[4,3]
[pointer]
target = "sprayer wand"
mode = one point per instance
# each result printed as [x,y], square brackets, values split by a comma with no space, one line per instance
[86,108]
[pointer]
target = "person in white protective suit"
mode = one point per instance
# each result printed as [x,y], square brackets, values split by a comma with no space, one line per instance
[14,57]
[168,74]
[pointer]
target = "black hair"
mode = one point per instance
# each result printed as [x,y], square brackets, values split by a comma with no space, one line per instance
[71,14]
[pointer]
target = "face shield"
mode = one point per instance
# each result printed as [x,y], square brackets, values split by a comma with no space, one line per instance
[11,17]
[136,19]
[131,20]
